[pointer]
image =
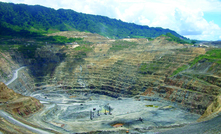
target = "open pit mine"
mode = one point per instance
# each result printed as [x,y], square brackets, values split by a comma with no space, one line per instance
[110,86]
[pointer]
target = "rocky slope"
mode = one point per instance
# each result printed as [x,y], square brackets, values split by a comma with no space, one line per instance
[212,110]
[7,66]
[17,104]
[19,107]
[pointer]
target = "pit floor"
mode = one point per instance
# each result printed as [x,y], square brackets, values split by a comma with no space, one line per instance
[78,113]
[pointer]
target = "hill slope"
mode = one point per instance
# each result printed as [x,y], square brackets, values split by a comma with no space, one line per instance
[41,19]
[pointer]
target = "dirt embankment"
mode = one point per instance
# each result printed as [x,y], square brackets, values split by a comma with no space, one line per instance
[17,104]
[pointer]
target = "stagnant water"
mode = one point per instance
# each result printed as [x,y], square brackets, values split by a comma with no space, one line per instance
[86,112]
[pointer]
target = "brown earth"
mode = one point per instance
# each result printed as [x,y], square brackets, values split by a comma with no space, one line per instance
[212,110]
[118,125]
[17,104]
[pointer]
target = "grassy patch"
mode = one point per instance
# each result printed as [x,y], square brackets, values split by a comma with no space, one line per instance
[83,48]
[58,39]
[81,42]
[197,59]
[50,31]
[8,47]
[143,67]
[81,51]
[120,45]
[184,67]
[5,47]
[138,37]
[167,66]
[150,39]
[149,68]
[213,55]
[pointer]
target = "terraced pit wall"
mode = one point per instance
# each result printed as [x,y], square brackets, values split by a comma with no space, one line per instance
[143,68]
[135,71]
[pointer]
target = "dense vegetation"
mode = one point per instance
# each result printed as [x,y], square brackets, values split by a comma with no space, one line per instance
[25,20]
[176,39]
[58,39]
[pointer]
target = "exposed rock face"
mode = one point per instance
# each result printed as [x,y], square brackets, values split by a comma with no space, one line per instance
[191,101]
[212,110]
[7,66]
[24,84]
[192,84]
[17,104]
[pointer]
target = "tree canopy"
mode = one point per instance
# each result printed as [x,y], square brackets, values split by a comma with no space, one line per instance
[17,17]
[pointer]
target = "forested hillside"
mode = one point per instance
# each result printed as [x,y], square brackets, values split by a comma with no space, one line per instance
[17,17]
